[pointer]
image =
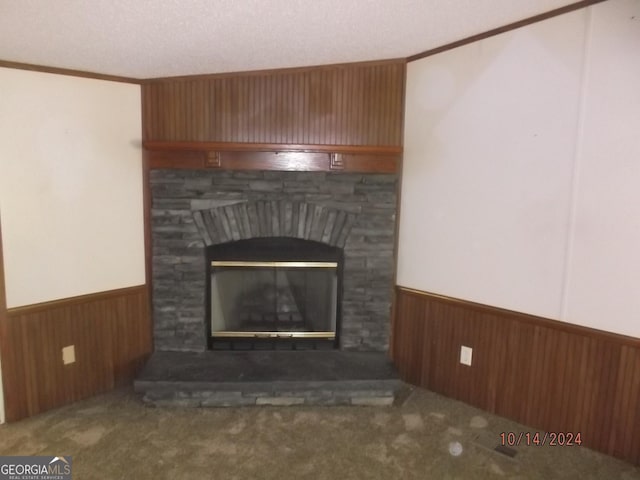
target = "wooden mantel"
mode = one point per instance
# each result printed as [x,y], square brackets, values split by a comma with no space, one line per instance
[273,156]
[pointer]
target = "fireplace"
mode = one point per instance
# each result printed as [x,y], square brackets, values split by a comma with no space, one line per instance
[273,293]
[258,261]
[208,215]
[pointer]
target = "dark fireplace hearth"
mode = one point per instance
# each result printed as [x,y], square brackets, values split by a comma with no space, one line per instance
[273,293]
[281,378]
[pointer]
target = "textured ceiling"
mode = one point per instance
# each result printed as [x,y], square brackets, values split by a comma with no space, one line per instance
[158,38]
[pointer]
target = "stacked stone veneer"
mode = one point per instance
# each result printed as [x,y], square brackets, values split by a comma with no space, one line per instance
[192,209]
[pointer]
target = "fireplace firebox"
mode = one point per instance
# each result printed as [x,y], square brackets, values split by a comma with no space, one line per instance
[273,293]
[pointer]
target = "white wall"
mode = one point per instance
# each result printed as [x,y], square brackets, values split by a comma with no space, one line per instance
[70,186]
[521,166]
[604,259]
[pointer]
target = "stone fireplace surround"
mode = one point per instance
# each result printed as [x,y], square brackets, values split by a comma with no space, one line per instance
[192,209]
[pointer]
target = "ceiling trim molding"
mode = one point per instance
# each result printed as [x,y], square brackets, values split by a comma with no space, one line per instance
[506,28]
[276,71]
[68,72]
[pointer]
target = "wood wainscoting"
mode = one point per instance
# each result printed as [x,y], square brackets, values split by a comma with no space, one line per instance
[549,375]
[111,332]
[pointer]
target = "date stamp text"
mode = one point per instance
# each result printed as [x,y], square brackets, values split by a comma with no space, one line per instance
[540,439]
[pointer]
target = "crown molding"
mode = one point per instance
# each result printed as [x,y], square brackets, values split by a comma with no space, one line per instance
[68,72]
[506,28]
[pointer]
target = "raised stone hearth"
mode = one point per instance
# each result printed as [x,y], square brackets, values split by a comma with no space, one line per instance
[194,209]
[221,379]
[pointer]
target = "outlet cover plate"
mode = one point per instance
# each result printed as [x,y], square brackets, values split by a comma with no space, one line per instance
[68,354]
[466,354]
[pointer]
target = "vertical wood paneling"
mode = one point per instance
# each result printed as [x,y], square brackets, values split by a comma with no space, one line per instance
[358,104]
[548,375]
[112,336]
[409,338]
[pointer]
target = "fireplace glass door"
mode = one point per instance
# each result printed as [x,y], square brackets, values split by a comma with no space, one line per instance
[273,292]
[285,299]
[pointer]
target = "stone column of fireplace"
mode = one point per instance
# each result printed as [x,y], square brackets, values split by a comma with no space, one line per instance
[366,201]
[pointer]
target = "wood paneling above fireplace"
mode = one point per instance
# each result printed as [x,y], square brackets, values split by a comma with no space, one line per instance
[353,104]
[343,117]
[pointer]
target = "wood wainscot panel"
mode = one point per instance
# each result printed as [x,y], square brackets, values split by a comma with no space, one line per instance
[550,375]
[110,331]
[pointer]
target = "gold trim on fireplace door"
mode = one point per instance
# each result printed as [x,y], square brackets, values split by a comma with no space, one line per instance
[227,333]
[232,263]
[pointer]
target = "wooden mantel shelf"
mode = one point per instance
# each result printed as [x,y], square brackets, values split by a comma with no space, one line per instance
[273,156]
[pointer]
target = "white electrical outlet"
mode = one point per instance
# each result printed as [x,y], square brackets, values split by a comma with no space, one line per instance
[69,354]
[466,354]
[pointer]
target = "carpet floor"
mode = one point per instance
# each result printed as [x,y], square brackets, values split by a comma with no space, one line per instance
[114,436]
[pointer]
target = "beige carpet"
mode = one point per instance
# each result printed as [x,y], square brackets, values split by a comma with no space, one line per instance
[115,437]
